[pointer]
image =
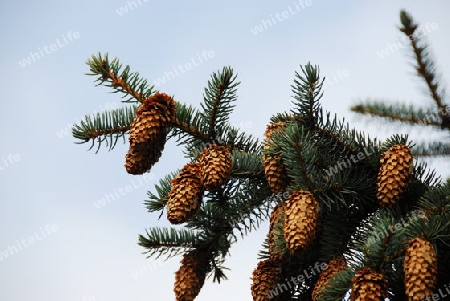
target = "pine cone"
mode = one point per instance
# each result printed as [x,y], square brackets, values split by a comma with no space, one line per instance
[190,277]
[265,278]
[420,268]
[274,168]
[335,266]
[276,230]
[185,194]
[216,166]
[142,156]
[301,220]
[368,284]
[148,133]
[393,175]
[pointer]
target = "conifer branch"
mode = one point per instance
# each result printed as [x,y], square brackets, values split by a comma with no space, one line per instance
[299,155]
[110,74]
[158,201]
[308,92]
[217,100]
[424,65]
[105,127]
[432,149]
[338,286]
[188,126]
[168,241]
[399,112]
[247,165]
[437,200]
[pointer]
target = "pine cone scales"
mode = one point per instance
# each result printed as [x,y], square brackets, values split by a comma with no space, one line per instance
[148,133]
[368,285]
[420,268]
[274,168]
[301,220]
[265,277]
[335,266]
[274,231]
[216,166]
[142,156]
[275,172]
[393,176]
[185,194]
[190,278]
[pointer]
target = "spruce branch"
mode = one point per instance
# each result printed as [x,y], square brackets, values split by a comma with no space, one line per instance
[338,286]
[188,126]
[110,74]
[344,142]
[432,149]
[247,165]
[436,200]
[399,112]
[307,91]
[425,66]
[157,202]
[105,127]
[217,99]
[217,271]
[168,241]
[298,153]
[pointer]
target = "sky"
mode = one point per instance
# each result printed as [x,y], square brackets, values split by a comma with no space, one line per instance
[57,242]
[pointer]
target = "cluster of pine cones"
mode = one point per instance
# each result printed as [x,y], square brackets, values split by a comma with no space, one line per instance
[294,226]
[148,133]
[210,172]
[293,222]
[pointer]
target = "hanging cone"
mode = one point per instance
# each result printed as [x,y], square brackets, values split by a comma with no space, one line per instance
[420,268]
[368,284]
[335,266]
[190,277]
[141,156]
[216,166]
[276,231]
[301,220]
[274,168]
[396,165]
[148,133]
[266,276]
[185,194]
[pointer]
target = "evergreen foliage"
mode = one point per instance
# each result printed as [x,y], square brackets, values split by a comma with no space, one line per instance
[432,115]
[323,155]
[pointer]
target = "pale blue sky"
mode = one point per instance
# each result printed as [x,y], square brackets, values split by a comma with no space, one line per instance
[86,253]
